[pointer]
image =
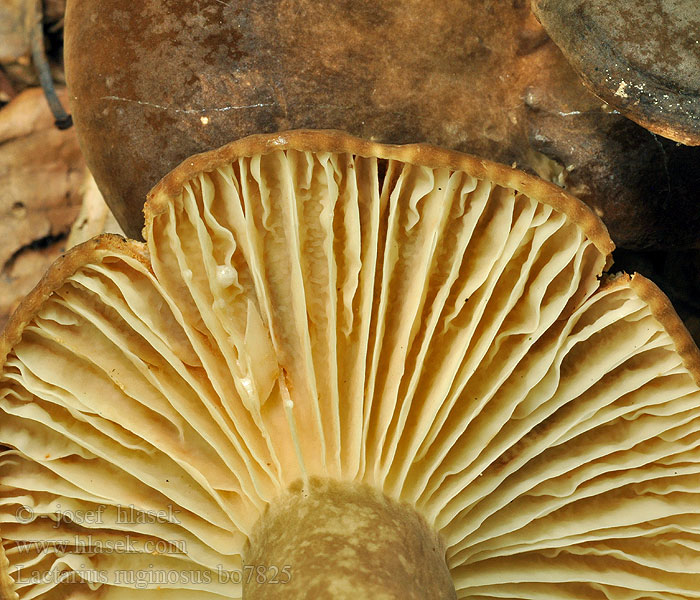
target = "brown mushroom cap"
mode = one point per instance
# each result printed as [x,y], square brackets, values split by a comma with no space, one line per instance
[311,307]
[154,82]
[641,57]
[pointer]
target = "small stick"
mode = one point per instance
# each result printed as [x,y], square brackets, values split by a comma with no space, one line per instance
[41,64]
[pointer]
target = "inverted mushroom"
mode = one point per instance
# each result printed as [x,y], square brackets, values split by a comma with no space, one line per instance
[402,352]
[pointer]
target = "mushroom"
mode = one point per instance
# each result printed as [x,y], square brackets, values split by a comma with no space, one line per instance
[341,369]
[480,77]
[641,57]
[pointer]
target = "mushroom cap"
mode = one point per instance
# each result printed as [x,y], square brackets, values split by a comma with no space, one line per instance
[641,57]
[154,82]
[309,304]
[190,77]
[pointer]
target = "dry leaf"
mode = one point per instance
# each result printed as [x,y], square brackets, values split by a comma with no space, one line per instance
[41,173]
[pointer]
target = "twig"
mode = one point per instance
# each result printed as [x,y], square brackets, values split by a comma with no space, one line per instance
[41,64]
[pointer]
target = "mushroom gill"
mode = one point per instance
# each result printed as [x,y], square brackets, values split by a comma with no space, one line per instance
[339,369]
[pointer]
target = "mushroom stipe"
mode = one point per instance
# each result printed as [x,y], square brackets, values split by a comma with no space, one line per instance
[339,369]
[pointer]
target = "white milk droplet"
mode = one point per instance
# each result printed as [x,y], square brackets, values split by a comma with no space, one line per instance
[247,384]
[225,275]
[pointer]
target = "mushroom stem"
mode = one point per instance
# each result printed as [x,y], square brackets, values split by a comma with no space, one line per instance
[339,540]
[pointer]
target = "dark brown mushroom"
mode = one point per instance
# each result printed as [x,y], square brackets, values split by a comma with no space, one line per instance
[641,57]
[154,82]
